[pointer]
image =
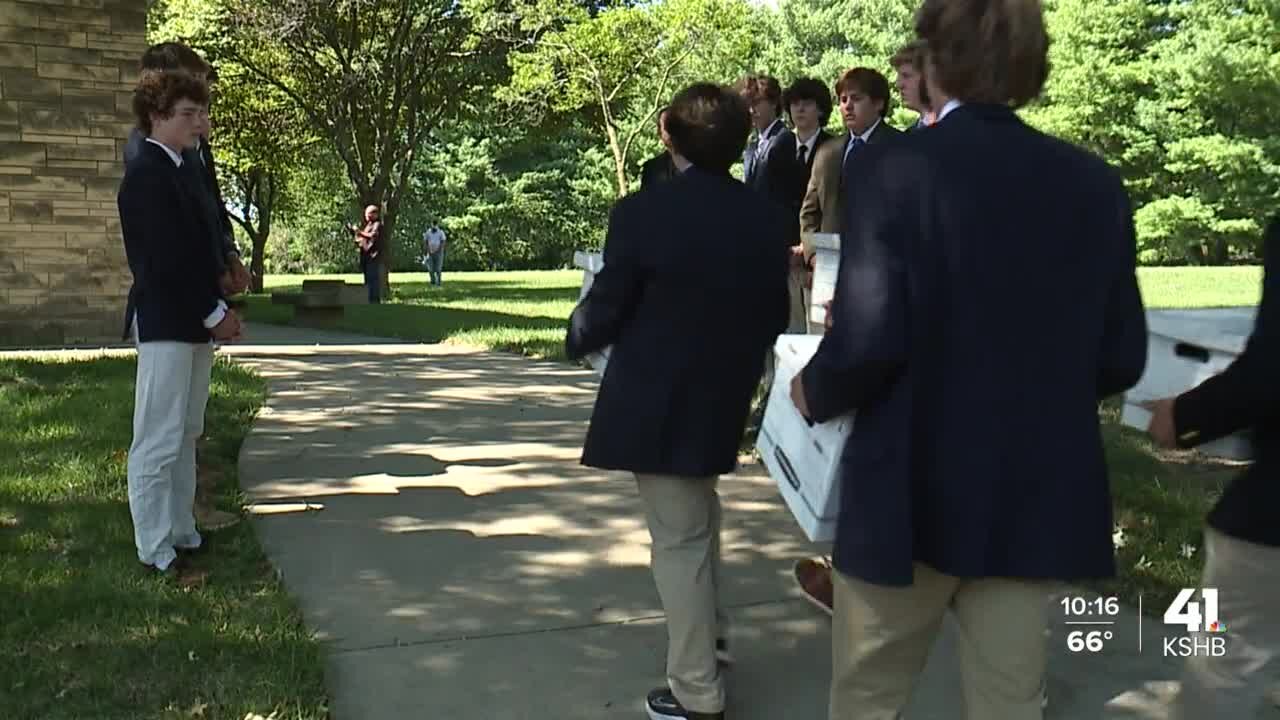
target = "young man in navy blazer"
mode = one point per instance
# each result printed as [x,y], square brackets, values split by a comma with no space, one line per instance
[175,309]
[1242,541]
[768,159]
[975,476]
[201,174]
[692,295]
[808,104]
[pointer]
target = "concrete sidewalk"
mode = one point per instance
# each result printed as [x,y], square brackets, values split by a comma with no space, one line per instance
[460,563]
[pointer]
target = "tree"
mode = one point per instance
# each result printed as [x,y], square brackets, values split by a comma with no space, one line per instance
[1215,87]
[1178,96]
[823,38]
[374,78]
[258,134]
[515,200]
[618,67]
[264,138]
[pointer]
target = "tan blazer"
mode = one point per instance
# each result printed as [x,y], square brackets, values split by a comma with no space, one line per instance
[820,209]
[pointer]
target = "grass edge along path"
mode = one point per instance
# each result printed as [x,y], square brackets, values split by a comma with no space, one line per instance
[86,632]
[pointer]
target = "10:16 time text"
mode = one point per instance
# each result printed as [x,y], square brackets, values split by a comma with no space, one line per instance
[1096,606]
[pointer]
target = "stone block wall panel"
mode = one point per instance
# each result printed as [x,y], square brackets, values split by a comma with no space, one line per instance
[67,69]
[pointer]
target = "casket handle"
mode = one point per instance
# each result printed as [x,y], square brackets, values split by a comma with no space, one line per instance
[787,470]
[1193,352]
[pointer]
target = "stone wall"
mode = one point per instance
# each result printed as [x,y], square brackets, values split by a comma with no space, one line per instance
[67,69]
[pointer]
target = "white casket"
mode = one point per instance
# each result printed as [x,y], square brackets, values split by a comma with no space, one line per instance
[826,264]
[591,263]
[803,459]
[1184,350]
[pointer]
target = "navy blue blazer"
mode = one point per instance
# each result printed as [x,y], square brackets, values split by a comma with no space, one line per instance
[692,296]
[1246,396]
[657,169]
[986,300]
[166,240]
[771,173]
[201,164]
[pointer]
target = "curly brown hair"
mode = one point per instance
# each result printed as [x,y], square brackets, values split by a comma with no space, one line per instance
[754,88]
[174,56]
[986,51]
[159,90]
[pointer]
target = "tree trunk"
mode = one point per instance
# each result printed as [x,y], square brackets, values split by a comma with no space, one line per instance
[256,265]
[259,189]
[619,160]
[1219,251]
[384,267]
[266,198]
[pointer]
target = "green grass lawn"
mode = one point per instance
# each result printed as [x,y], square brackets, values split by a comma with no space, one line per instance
[86,633]
[523,312]
[1196,287]
[526,312]
[1160,500]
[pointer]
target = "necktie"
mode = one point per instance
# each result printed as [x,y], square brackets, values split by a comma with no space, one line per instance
[854,145]
[804,152]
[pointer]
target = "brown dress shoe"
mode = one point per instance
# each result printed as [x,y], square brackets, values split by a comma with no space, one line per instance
[814,578]
[180,572]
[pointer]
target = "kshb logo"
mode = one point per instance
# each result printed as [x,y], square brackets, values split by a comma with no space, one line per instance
[1185,612]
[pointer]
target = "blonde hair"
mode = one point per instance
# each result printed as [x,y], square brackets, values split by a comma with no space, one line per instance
[986,51]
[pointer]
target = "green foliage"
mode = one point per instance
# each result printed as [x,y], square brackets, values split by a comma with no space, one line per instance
[259,133]
[314,238]
[537,113]
[615,69]
[1179,97]
[517,202]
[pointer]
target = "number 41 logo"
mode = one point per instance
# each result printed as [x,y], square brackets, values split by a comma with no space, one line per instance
[1185,611]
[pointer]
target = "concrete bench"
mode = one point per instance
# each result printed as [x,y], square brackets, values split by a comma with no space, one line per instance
[347,293]
[314,308]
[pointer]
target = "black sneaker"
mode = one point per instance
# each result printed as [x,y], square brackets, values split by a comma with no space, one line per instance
[723,656]
[663,705]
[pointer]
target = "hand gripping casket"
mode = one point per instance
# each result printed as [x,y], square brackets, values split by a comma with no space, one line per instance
[591,263]
[1184,350]
[826,264]
[803,459]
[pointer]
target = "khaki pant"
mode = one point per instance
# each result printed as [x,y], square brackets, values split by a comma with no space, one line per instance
[881,637]
[684,522]
[1247,577]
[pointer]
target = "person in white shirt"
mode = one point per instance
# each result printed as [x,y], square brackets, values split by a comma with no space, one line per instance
[433,242]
